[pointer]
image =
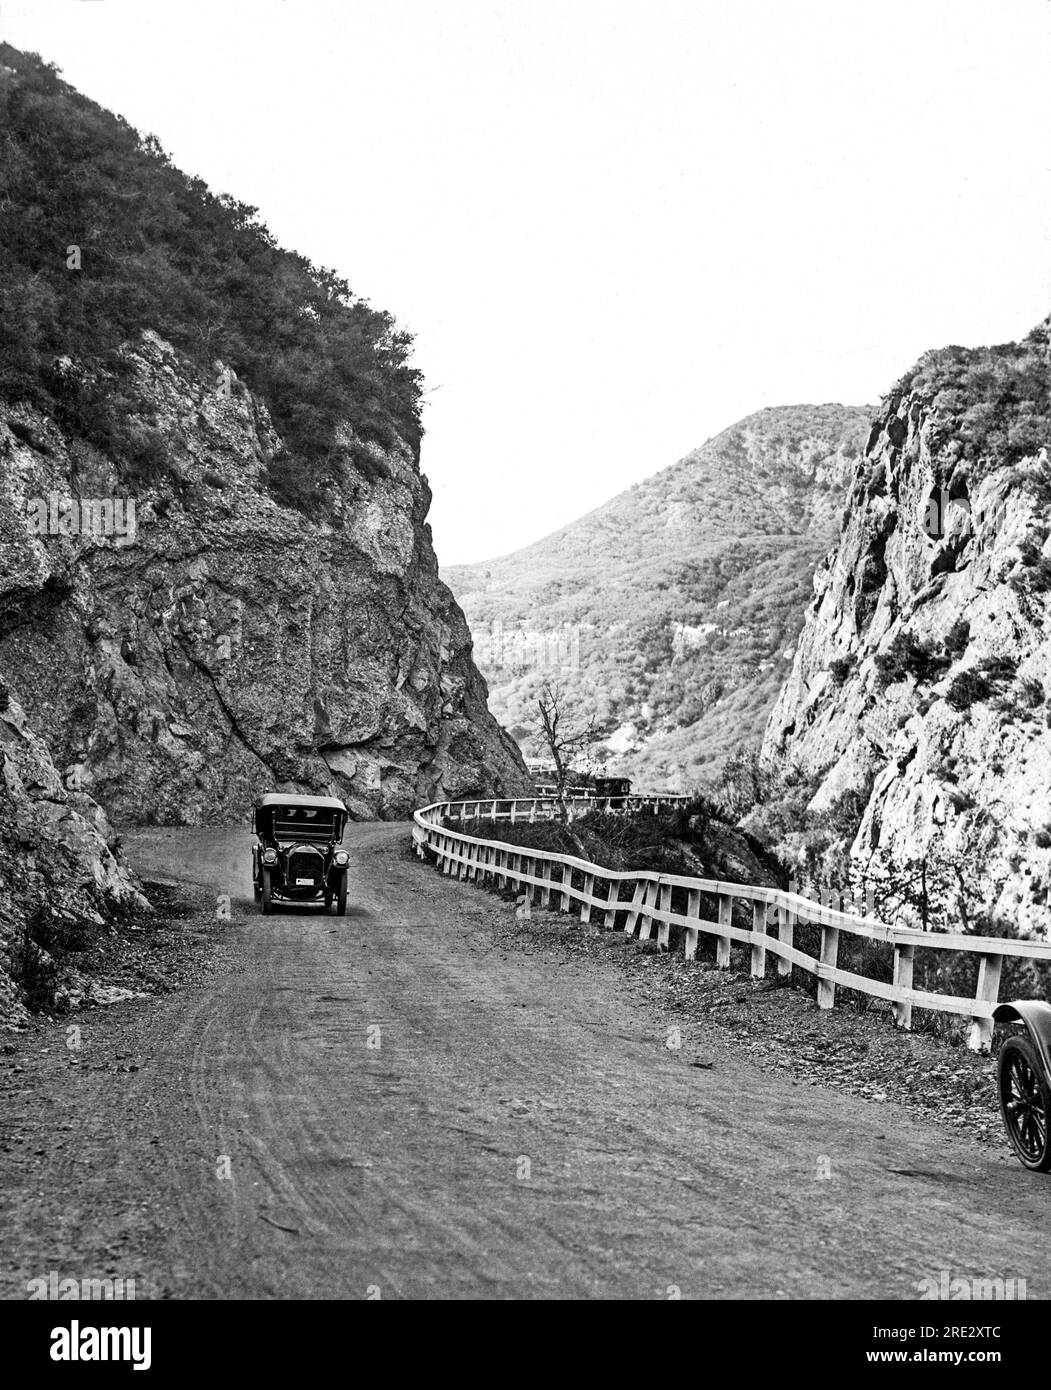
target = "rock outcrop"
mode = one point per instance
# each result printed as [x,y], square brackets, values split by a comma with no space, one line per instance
[923,672]
[58,874]
[227,645]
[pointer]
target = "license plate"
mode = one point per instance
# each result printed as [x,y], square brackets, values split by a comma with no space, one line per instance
[304,882]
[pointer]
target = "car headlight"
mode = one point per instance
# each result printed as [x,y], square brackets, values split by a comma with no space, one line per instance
[341,857]
[269,856]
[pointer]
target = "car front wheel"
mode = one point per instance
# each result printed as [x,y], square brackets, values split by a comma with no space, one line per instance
[265,892]
[1025,1102]
[341,898]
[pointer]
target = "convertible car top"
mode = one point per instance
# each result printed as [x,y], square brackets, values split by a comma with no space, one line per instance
[290,815]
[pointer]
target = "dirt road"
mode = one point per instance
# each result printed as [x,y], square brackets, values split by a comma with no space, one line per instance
[402,1103]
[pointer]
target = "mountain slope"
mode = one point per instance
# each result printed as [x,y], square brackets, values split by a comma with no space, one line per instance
[923,673]
[667,611]
[274,616]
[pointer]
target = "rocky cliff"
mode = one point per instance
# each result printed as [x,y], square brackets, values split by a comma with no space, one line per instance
[216,575]
[227,644]
[59,879]
[922,676]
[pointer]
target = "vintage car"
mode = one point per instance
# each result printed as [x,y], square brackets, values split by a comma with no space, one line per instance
[612,786]
[296,857]
[1024,1080]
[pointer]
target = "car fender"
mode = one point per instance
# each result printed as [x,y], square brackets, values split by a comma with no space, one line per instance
[1036,1016]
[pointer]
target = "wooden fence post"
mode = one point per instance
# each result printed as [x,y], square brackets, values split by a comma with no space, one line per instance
[633,912]
[759,947]
[567,878]
[904,957]
[693,910]
[585,908]
[612,898]
[826,989]
[726,914]
[545,890]
[980,1034]
[786,932]
[664,928]
[648,902]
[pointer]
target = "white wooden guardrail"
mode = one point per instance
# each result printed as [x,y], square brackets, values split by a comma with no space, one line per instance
[645,901]
[542,808]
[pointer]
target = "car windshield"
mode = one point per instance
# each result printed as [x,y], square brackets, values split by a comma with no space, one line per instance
[302,822]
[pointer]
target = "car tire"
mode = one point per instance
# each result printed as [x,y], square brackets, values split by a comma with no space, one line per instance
[341,900]
[1025,1102]
[264,892]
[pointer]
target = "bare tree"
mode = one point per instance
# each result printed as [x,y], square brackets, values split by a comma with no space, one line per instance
[565,740]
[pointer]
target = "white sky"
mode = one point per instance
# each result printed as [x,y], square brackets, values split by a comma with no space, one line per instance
[615,227]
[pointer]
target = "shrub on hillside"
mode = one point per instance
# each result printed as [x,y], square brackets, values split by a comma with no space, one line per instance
[840,669]
[969,688]
[992,404]
[957,638]
[909,658]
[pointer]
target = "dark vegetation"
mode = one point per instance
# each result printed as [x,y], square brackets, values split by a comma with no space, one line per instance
[908,657]
[159,250]
[840,669]
[993,403]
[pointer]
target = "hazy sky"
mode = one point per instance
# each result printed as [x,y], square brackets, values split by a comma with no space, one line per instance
[614,228]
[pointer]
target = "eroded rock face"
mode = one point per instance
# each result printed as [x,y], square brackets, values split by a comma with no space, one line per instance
[58,874]
[230,646]
[924,666]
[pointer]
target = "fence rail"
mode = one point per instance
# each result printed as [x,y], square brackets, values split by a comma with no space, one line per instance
[541,808]
[644,901]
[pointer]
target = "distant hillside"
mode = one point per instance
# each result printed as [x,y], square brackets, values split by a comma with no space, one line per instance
[671,612]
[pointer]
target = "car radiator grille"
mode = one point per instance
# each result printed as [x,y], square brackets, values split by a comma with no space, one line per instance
[304,865]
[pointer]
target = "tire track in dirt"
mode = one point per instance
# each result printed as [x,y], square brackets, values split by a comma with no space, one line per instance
[521,1129]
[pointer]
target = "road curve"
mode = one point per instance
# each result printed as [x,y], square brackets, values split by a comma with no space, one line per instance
[400,1104]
